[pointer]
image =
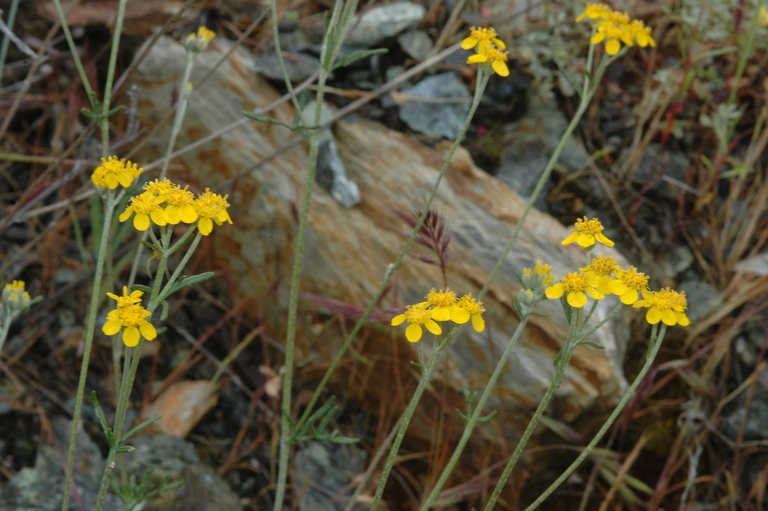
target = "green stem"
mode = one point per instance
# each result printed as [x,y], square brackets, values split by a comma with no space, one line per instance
[482,82]
[409,411]
[106,102]
[182,264]
[561,362]
[654,346]
[111,202]
[477,413]
[6,325]
[745,54]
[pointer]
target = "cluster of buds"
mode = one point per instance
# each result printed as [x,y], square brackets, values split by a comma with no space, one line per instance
[440,306]
[16,300]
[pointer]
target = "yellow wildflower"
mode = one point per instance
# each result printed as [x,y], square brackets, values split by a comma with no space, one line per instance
[627,285]
[595,12]
[211,207]
[587,233]
[113,172]
[666,305]
[130,317]
[417,317]
[180,206]
[490,54]
[16,297]
[577,286]
[482,37]
[198,42]
[147,207]
[468,308]
[442,303]
[601,269]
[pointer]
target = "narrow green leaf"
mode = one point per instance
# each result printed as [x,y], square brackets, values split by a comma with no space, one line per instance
[357,55]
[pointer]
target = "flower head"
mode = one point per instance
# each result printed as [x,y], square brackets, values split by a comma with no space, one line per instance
[587,233]
[577,286]
[666,305]
[468,308]
[482,37]
[490,54]
[113,172]
[615,28]
[130,317]
[627,285]
[211,207]
[417,317]
[442,303]
[16,298]
[601,270]
[198,42]
[595,12]
[146,207]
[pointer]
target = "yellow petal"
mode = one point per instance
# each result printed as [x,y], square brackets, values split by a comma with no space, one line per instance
[669,318]
[148,330]
[554,292]
[111,327]
[441,314]
[468,43]
[141,222]
[612,47]
[433,327]
[570,238]
[602,239]
[413,333]
[478,323]
[477,58]
[205,225]
[131,336]
[500,67]
[459,316]
[577,299]
[398,320]
[653,316]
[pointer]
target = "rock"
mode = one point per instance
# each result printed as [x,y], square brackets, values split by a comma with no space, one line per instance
[380,22]
[330,172]
[757,264]
[658,168]
[703,299]
[323,473]
[348,250]
[168,455]
[298,66]
[432,117]
[40,488]
[416,43]
[756,416]
[181,406]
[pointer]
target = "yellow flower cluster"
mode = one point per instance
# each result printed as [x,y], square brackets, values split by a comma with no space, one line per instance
[130,317]
[164,202]
[440,306]
[113,172]
[198,42]
[615,28]
[489,49]
[15,297]
[605,277]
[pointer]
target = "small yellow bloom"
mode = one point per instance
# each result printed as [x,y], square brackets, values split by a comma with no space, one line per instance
[442,303]
[198,42]
[146,207]
[417,317]
[113,172]
[578,286]
[587,233]
[468,308]
[595,12]
[490,54]
[627,285]
[128,298]
[211,207]
[601,269]
[130,317]
[641,33]
[16,297]
[180,206]
[666,305]
[482,37]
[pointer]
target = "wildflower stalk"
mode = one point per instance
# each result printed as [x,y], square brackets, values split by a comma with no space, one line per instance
[106,102]
[426,372]
[482,82]
[334,36]
[588,90]
[476,416]
[111,201]
[744,55]
[6,326]
[561,362]
[653,350]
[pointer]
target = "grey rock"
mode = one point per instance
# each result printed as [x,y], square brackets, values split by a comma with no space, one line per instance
[703,299]
[298,66]
[436,119]
[677,260]
[41,488]
[330,172]
[756,416]
[378,23]
[323,475]
[168,455]
[416,43]
[658,168]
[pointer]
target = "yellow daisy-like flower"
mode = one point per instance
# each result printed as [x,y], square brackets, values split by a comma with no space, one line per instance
[666,305]
[417,317]
[587,233]
[442,303]
[482,37]
[613,32]
[15,296]
[490,54]
[628,284]
[595,12]
[180,206]
[641,33]
[211,207]
[131,318]
[159,188]
[113,172]
[468,308]
[602,269]
[147,207]
[577,286]
[128,298]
